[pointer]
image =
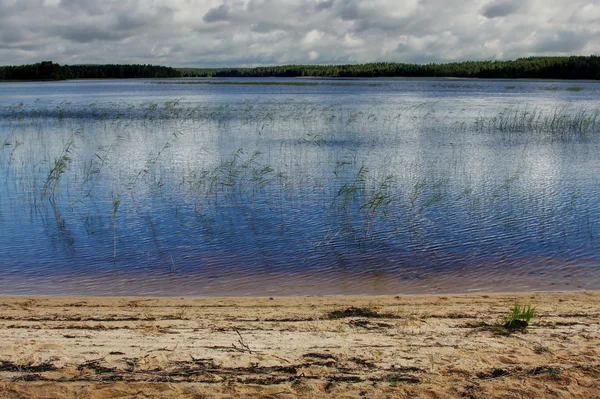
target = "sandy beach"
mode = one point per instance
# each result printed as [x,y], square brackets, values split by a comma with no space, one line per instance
[445,346]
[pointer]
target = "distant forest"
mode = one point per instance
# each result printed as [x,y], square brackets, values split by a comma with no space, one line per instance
[574,67]
[48,70]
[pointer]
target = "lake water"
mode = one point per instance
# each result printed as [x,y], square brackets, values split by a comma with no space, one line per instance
[298,187]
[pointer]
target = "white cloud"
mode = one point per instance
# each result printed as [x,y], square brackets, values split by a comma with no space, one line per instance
[255,32]
[313,37]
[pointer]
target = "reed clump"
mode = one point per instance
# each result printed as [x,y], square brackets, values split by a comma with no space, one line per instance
[558,123]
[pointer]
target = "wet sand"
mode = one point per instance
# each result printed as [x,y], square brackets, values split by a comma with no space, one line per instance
[442,346]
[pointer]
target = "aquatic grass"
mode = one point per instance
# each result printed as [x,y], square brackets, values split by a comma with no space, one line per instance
[366,203]
[560,123]
[458,85]
[376,205]
[570,206]
[259,113]
[155,157]
[424,195]
[60,109]
[115,208]
[59,167]
[268,83]
[93,168]
[312,138]
[15,146]
[238,178]
[506,185]
[367,209]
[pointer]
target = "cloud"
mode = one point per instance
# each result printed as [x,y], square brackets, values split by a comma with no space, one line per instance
[560,42]
[265,27]
[220,13]
[88,7]
[89,33]
[500,8]
[324,5]
[350,11]
[257,32]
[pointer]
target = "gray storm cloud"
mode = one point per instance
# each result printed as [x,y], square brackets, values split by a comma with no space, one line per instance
[258,32]
[216,14]
[500,8]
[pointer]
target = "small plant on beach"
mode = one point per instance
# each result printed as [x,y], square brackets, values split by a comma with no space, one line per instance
[352,312]
[519,317]
[180,314]
[367,312]
[432,361]
[148,315]
[244,347]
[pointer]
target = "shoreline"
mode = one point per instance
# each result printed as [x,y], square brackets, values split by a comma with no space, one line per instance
[447,346]
[170,297]
[529,275]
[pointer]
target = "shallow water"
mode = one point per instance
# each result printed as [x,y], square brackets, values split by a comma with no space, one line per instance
[368,187]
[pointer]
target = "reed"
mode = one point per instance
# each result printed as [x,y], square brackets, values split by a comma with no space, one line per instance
[267,83]
[560,123]
[58,169]
[115,208]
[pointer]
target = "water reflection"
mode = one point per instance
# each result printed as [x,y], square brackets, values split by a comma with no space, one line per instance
[296,198]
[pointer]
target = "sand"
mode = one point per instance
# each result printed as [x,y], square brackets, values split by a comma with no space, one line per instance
[450,346]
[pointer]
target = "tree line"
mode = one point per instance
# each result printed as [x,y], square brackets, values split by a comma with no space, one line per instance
[574,67]
[47,70]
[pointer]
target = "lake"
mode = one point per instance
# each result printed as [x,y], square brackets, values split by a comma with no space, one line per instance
[196,187]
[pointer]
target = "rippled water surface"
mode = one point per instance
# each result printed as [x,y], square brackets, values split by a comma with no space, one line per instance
[325,187]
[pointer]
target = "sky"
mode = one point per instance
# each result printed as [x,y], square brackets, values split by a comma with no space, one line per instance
[207,33]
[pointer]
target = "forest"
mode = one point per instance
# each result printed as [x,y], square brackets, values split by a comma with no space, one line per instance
[48,70]
[573,67]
